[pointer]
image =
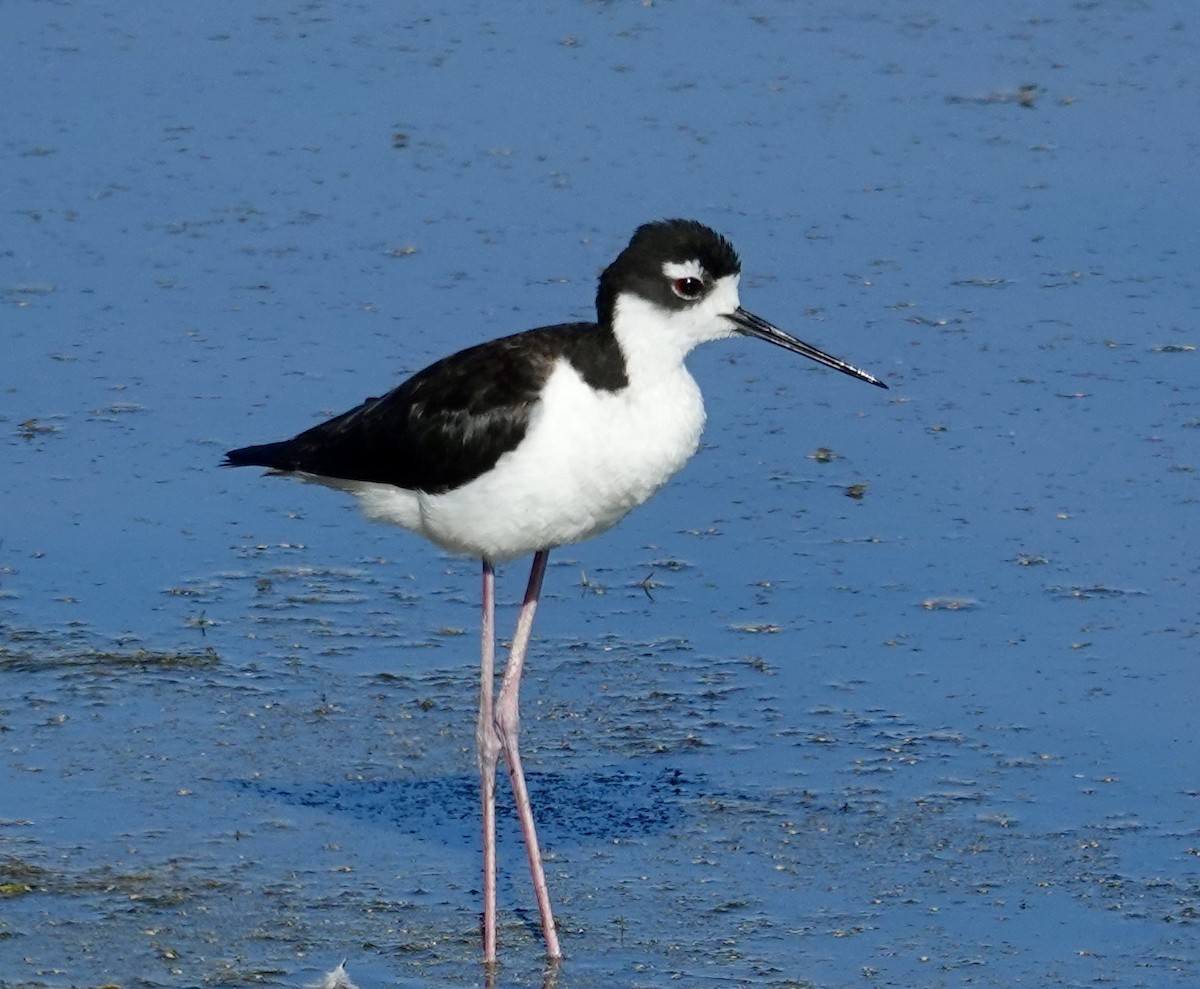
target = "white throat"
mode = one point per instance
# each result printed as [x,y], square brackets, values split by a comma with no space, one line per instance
[655,340]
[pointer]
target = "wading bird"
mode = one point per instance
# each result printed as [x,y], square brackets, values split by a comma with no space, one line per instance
[537,440]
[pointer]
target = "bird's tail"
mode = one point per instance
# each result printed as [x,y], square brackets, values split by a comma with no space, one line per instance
[276,456]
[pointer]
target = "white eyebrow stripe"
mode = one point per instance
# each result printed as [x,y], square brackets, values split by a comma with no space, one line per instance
[685,269]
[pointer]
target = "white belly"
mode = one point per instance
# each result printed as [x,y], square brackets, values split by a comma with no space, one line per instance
[586,460]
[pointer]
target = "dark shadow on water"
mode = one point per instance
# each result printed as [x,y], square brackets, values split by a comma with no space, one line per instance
[614,803]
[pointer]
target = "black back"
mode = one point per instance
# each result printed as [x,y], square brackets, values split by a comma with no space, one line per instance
[451,422]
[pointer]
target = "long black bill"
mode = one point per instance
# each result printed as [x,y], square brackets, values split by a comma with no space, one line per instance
[753,326]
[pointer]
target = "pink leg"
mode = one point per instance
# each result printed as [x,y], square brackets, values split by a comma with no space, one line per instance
[487,753]
[507,721]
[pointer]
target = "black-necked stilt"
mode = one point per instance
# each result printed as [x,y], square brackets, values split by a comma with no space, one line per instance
[539,439]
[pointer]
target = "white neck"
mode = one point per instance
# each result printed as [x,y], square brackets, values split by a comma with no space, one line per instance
[655,341]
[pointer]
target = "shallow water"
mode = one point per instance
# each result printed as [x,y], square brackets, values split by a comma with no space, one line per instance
[782,730]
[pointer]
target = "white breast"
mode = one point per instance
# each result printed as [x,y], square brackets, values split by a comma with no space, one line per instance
[588,458]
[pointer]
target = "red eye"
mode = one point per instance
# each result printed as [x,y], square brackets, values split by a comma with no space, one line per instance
[688,288]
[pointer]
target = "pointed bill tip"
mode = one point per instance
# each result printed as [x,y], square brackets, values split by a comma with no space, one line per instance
[755,326]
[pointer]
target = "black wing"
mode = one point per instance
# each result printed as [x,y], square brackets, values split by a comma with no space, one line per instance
[443,427]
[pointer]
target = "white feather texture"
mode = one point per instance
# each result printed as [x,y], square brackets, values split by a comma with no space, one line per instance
[589,457]
[337,979]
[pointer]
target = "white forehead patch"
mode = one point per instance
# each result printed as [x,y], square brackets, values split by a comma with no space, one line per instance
[723,297]
[684,269]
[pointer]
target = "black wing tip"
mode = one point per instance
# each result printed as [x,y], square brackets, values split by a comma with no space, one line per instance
[252,456]
[878,383]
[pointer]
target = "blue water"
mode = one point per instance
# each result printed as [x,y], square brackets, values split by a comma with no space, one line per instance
[939,735]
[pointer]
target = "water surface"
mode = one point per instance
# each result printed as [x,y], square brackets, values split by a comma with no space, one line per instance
[887,689]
